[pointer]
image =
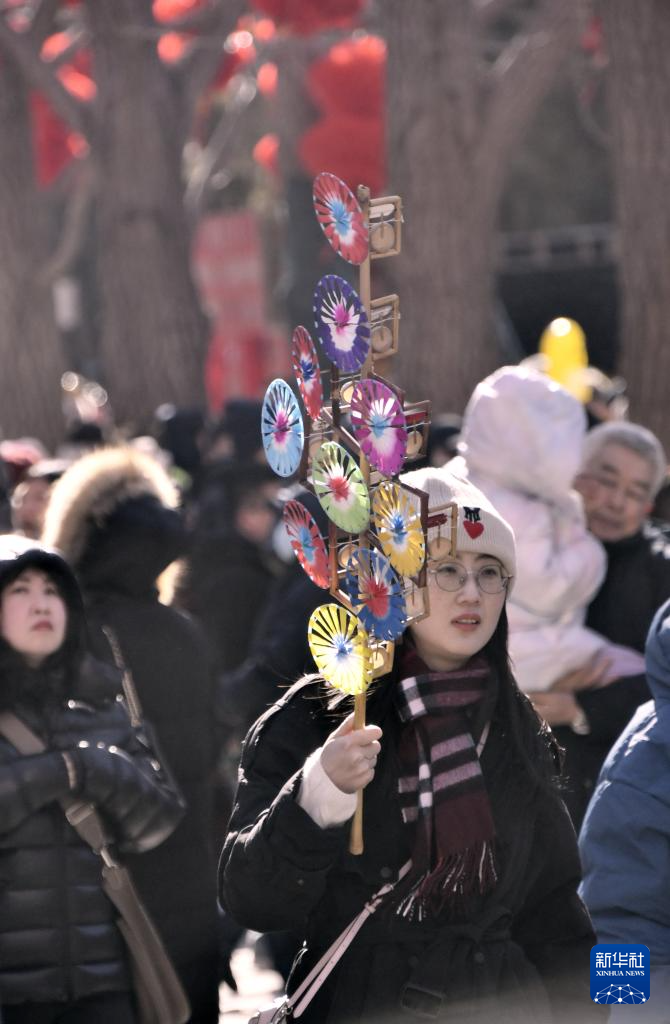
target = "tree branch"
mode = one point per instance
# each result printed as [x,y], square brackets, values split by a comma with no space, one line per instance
[519,81]
[202,20]
[73,231]
[488,11]
[39,76]
[201,64]
[42,21]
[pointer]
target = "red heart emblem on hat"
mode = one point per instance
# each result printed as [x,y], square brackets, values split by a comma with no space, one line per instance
[473,529]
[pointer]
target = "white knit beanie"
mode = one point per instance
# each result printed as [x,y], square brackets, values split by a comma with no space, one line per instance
[480,528]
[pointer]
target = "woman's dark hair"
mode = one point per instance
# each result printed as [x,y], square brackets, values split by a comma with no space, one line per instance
[533,745]
[58,671]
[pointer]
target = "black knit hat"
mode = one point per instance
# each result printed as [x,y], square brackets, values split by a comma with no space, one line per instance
[20,553]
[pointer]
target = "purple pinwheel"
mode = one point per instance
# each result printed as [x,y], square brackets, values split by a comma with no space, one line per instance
[341,323]
[379,425]
[340,217]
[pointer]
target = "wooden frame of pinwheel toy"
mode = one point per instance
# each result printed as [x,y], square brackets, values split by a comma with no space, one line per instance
[350,456]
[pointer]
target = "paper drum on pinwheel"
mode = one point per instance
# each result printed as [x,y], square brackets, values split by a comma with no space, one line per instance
[375,592]
[340,488]
[341,323]
[340,217]
[282,429]
[307,372]
[340,648]
[398,524]
[307,543]
[379,425]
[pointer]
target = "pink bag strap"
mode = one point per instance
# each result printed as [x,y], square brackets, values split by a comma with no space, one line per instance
[303,995]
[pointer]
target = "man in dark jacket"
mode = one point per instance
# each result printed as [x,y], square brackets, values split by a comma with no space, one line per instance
[625,840]
[622,469]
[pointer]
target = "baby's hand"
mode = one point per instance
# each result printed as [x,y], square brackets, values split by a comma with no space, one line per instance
[349,755]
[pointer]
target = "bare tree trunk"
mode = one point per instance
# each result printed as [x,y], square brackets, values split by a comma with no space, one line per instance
[153,331]
[453,125]
[446,279]
[638,41]
[30,348]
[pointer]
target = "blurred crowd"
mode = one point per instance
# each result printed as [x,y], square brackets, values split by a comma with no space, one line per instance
[178,546]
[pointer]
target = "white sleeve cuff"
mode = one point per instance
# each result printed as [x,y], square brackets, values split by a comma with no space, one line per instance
[326,805]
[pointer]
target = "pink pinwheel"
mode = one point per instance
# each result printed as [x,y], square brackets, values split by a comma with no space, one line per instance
[379,424]
[340,217]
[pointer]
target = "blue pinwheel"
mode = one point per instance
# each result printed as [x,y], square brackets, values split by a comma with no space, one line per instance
[281,428]
[375,593]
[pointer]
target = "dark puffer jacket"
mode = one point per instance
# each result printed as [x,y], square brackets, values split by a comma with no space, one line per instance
[112,515]
[58,937]
[521,956]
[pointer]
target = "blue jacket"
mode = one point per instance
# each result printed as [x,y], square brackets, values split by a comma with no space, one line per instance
[625,838]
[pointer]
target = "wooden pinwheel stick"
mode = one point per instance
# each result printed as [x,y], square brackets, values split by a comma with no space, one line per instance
[356,838]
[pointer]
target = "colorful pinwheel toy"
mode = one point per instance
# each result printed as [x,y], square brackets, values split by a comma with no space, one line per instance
[307,543]
[340,648]
[341,323]
[379,425]
[397,520]
[376,595]
[282,429]
[340,488]
[307,372]
[340,217]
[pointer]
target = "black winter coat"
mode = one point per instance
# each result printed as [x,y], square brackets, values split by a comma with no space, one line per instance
[166,655]
[636,585]
[58,936]
[524,949]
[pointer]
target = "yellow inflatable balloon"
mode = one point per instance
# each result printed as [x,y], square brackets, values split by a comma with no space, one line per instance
[563,343]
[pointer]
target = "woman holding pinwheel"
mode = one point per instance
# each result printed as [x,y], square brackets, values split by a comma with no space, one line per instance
[461,813]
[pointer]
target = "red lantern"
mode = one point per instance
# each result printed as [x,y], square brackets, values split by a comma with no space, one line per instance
[53,142]
[307,16]
[350,147]
[266,153]
[349,78]
[172,10]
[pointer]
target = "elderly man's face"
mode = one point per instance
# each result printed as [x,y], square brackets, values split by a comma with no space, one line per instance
[616,486]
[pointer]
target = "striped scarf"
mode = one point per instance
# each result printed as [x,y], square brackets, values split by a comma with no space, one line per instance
[443,796]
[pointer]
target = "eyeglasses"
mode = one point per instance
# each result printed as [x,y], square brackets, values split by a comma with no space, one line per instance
[451,576]
[634,495]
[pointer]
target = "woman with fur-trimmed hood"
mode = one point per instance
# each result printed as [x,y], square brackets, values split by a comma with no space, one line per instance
[114,515]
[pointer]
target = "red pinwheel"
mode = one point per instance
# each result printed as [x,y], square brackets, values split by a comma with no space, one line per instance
[307,543]
[379,425]
[341,323]
[340,217]
[307,372]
